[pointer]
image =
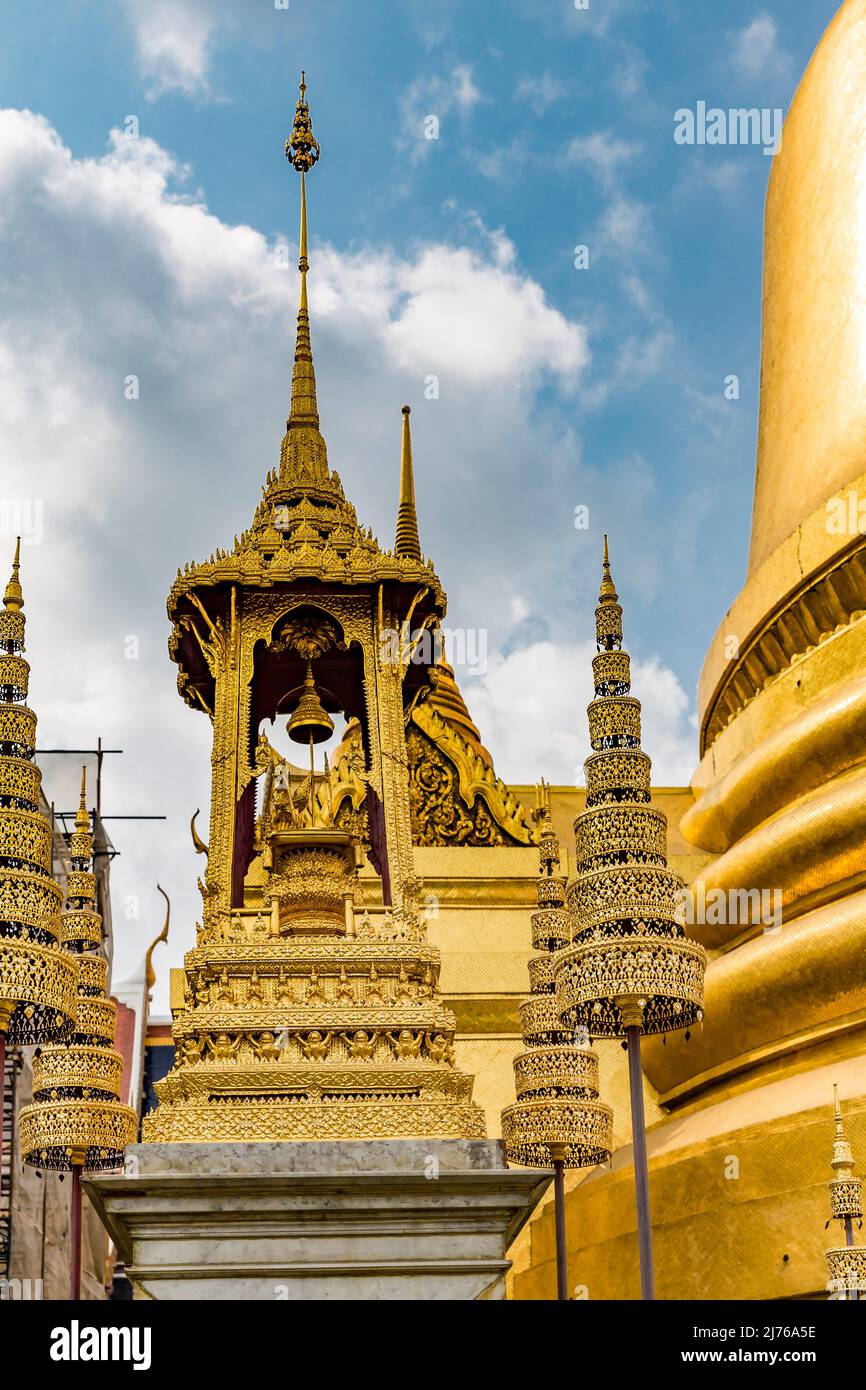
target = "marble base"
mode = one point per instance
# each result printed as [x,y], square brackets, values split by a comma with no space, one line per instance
[389,1219]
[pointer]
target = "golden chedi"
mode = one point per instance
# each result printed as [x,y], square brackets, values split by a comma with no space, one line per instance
[37,980]
[558,1115]
[846,1265]
[630,962]
[296,1016]
[77,1118]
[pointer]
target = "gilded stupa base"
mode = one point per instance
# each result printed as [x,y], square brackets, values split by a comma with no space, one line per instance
[373,1221]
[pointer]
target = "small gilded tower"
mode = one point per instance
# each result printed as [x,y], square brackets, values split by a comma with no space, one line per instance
[846,1265]
[630,963]
[77,1118]
[37,980]
[558,1114]
[296,1017]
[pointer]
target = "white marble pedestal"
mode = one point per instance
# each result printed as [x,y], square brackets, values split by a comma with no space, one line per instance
[390,1219]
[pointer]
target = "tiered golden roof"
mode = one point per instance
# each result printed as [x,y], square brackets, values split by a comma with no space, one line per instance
[37,980]
[630,961]
[846,1264]
[558,1114]
[77,1117]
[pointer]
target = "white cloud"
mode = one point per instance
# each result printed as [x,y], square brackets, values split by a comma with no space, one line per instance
[531,705]
[603,153]
[755,52]
[174,41]
[436,96]
[626,225]
[111,269]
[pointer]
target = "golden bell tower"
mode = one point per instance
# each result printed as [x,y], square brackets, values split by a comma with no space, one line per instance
[295,1016]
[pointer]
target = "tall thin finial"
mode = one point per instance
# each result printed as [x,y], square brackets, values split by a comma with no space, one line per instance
[407,542]
[13,598]
[302,152]
[607,593]
[82,818]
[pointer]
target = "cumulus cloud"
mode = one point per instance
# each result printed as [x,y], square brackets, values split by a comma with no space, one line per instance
[174,42]
[756,53]
[116,271]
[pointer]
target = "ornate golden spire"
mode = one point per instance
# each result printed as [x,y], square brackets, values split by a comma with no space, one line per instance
[846,1265]
[407,542]
[628,946]
[302,152]
[845,1189]
[13,598]
[37,980]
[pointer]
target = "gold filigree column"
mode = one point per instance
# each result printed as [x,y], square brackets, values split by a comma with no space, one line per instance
[77,1120]
[630,969]
[558,1118]
[37,981]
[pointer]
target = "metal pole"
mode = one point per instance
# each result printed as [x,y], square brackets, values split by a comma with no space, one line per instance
[641,1169]
[75,1235]
[559,1212]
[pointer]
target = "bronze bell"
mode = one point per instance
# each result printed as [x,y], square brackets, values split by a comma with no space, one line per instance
[310,722]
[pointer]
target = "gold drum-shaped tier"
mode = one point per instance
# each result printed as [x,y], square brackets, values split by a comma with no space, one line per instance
[541,973]
[553,1071]
[621,827]
[622,893]
[18,727]
[665,976]
[92,975]
[32,899]
[846,1198]
[81,1066]
[581,1131]
[614,716]
[96,1018]
[551,929]
[14,674]
[615,770]
[81,884]
[83,927]
[20,778]
[609,668]
[26,835]
[52,1131]
[40,981]
[540,1025]
[846,1269]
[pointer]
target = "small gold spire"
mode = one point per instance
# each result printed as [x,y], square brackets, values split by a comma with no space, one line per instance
[407,542]
[82,818]
[302,152]
[13,598]
[607,593]
[845,1187]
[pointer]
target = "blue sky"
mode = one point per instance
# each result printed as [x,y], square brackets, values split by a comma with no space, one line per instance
[558,387]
